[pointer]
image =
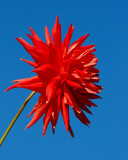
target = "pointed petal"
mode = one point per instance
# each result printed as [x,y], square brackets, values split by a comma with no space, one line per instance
[70,99]
[76,45]
[71,132]
[29,48]
[92,63]
[82,118]
[41,101]
[34,79]
[45,72]
[84,52]
[34,34]
[84,100]
[38,114]
[48,37]
[38,43]
[73,85]
[82,73]
[65,113]
[47,120]
[33,110]
[37,87]
[34,64]
[56,33]
[91,96]
[66,42]
[27,82]
[83,107]
[51,90]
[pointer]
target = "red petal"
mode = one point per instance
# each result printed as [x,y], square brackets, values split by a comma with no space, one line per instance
[92,87]
[47,120]
[70,99]
[71,132]
[45,72]
[92,63]
[82,117]
[83,107]
[29,48]
[27,83]
[48,37]
[30,62]
[38,43]
[38,114]
[66,42]
[77,43]
[56,33]
[33,110]
[87,50]
[34,34]
[37,87]
[84,100]
[56,109]
[51,90]
[91,96]
[53,56]
[41,101]
[65,113]
[73,85]
[83,73]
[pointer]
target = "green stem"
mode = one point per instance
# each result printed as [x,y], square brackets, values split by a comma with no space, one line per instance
[15,118]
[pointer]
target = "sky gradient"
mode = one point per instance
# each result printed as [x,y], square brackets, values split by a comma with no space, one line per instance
[107,24]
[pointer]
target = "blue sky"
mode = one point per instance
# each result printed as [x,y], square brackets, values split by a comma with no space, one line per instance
[107,24]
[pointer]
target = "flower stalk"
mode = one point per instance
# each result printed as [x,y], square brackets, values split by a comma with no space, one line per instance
[16,117]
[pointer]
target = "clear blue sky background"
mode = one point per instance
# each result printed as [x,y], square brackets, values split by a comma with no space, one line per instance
[107,136]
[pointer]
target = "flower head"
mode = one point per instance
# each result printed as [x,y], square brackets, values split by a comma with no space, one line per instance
[66,77]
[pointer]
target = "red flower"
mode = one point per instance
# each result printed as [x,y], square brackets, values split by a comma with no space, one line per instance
[65,77]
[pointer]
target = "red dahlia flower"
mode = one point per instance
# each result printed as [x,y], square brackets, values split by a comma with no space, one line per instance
[65,77]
